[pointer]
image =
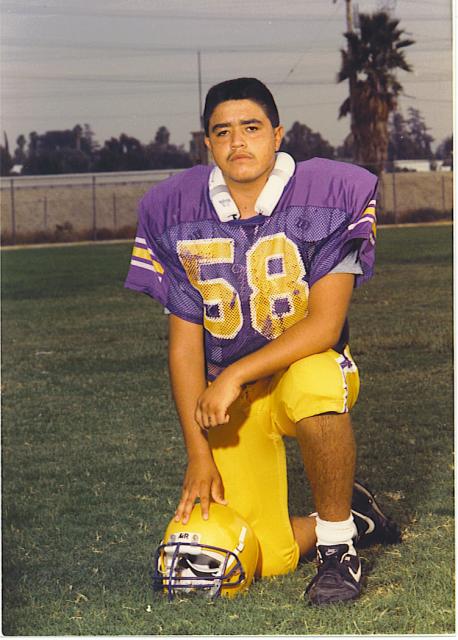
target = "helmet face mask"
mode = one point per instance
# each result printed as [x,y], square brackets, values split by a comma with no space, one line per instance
[215,557]
[187,567]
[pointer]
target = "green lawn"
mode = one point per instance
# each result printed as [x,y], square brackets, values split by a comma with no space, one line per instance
[93,458]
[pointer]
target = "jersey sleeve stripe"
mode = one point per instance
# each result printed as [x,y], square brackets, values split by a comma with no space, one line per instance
[368,215]
[140,240]
[143,265]
[366,225]
[370,209]
[144,254]
[360,221]
[157,267]
[141,253]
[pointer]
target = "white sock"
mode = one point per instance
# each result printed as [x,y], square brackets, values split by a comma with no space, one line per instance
[333,533]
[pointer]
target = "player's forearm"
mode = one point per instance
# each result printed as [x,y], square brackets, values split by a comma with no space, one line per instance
[303,339]
[319,331]
[188,381]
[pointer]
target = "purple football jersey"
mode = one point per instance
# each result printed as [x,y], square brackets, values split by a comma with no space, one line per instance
[248,280]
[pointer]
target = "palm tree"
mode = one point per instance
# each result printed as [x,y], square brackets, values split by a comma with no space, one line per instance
[370,63]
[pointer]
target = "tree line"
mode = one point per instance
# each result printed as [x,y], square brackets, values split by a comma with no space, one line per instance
[379,133]
[76,150]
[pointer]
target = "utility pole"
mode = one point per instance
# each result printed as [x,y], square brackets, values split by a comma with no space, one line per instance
[198,149]
[352,75]
[199,77]
[349,16]
[348,13]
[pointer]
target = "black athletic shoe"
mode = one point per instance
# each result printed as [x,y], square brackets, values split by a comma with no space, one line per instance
[338,578]
[372,524]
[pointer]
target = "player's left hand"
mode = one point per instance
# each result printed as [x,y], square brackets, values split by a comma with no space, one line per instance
[213,404]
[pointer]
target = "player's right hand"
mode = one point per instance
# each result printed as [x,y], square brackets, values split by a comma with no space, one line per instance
[202,480]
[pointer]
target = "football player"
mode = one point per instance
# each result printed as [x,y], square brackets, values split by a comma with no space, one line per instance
[256,259]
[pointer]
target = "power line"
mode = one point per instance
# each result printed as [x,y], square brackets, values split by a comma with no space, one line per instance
[161,51]
[128,80]
[223,14]
[151,114]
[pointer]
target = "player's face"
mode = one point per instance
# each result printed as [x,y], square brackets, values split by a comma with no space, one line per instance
[243,141]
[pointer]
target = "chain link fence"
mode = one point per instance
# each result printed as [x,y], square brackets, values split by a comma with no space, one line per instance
[104,205]
[73,206]
[415,196]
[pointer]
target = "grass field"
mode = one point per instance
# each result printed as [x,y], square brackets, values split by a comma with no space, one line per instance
[93,458]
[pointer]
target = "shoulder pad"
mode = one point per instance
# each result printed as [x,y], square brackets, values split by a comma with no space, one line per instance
[180,198]
[327,183]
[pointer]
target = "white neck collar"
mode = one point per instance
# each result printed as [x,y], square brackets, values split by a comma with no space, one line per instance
[267,200]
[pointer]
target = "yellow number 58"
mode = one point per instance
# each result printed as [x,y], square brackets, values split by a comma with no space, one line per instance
[275,274]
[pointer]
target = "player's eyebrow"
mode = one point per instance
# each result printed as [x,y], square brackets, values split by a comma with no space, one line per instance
[225,125]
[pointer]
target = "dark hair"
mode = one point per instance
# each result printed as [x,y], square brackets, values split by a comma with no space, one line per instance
[241,89]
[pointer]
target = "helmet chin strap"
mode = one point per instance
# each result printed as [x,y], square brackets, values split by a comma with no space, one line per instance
[267,200]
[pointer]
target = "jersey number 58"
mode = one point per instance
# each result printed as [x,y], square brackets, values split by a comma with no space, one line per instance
[275,274]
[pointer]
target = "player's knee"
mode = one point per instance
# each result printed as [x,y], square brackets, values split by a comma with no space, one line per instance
[316,376]
[276,562]
[323,383]
[274,567]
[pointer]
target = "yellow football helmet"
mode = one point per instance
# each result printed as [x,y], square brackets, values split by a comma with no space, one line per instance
[218,555]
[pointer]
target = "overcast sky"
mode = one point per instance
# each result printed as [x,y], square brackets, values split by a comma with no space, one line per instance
[131,65]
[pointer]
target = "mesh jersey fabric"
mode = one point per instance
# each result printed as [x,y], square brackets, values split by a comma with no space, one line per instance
[248,280]
[350,264]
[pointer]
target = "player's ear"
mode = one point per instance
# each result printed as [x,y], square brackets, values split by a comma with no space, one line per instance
[207,142]
[279,132]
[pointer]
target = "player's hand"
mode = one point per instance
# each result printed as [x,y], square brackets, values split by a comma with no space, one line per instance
[202,480]
[213,404]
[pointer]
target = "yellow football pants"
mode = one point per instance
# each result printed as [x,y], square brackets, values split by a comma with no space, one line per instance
[250,454]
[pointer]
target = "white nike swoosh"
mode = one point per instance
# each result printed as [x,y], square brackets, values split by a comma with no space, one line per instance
[357,575]
[371,525]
